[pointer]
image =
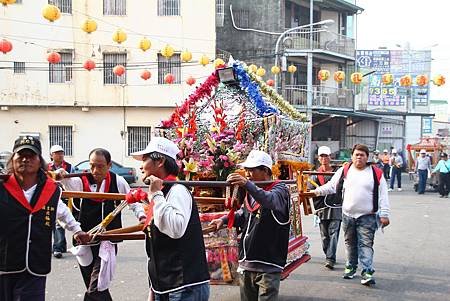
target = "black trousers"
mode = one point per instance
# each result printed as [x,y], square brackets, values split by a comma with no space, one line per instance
[444,183]
[22,287]
[90,275]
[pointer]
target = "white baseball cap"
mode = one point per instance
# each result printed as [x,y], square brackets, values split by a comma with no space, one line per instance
[385,151]
[161,145]
[83,254]
[422,151]
[394,151]
[324,150]
[257,158]
[56,148]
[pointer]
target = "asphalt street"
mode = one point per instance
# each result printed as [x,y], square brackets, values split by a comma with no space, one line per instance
[411,261]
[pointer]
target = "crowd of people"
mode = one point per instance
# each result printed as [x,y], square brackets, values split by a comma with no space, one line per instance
[353,197]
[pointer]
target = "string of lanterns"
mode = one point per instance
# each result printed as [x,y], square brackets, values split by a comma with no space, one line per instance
[387,78]
[52,13]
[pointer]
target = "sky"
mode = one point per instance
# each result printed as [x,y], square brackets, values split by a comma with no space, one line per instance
[385,23]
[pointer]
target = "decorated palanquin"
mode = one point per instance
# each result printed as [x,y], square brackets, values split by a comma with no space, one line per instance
[215,128]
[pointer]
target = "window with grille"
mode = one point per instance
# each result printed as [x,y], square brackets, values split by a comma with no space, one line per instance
[19,67]
[65,6]
[220,12]
[111,60]
[168,7]
[169,65]
[138,138]
[61,135]
[241,17]
[114,7]
[62,71]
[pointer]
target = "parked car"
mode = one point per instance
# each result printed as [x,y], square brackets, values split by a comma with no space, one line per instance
[4,157]
[128,173]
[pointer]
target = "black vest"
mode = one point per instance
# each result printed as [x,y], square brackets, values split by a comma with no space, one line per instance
[328,200]
[339,198]
[264,240]
[20,230]
[92,212]
[176,263]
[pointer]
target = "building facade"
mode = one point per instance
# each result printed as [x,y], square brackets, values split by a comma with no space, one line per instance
[65,104]
[248,30]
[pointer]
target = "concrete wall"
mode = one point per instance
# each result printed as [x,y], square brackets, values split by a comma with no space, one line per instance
[32,41]
[100,127]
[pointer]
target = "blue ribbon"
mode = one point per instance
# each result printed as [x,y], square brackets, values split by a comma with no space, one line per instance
[253,92]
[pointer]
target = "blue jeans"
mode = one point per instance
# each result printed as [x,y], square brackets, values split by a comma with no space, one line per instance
[423,174]
[329,232]
[359,234]
[59,239]
[191,293]
[396,173]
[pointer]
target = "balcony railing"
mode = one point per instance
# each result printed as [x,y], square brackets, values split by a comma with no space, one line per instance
[323,97]
[322,39]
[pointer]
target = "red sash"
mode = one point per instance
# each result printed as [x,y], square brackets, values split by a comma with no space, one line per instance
[152,204]
[321,178]
[51,165]
[87,186]
[16,191]
[258,205]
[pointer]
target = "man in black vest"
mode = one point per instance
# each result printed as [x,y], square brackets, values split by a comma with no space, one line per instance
[264,220]
[59,235]
[30,204]
[327,212]
[175,248]
[92,212]
[365,205]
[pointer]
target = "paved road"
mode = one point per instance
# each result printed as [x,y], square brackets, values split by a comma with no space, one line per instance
[412,262]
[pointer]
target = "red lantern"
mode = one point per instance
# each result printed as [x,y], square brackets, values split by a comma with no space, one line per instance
[169,78]
[119,70]
[54,58]
[270,82]
[146,74]
[89,65]
[5,46]
[190,81]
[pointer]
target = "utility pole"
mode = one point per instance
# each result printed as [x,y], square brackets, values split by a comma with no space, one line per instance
[309,80]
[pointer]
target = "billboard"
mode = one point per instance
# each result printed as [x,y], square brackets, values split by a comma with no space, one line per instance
[399,63]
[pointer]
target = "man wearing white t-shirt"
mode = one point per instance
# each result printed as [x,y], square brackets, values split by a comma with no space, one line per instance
[365,205]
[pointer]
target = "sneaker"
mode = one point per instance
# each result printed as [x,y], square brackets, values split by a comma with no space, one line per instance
[57,254]
[367,278]
[329,265]
[399,189]
[349,272]
[390,189]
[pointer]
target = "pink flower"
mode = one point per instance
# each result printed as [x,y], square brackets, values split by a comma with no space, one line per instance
[223,158]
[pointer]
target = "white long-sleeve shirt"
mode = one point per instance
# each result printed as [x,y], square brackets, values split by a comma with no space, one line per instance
[171,214]
[63,213]
[358,192]
[76,184]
